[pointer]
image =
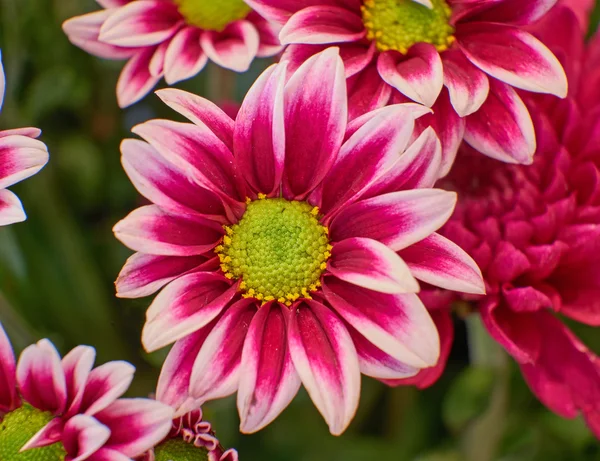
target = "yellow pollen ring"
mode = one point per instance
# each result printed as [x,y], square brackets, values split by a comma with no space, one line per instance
[399,24]
[278,250]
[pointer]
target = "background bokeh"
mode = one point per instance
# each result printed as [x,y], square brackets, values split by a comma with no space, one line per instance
[57,272]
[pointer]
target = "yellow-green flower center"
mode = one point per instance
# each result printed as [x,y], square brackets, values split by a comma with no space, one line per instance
[17,428]
[278,249]
[179,450]
[399,24]
[212,14]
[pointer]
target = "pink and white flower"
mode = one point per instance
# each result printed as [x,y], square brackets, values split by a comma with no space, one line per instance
[290,242]
[72,409]
[462,58]
[534,231]
[21,156]
[173,39]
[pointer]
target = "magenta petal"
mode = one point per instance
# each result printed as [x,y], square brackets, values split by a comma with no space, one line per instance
[77,365]
[216,371]
[184,306]
[502,128]
[234,48]
[397,219]
[136,80]
[371,264]
[513,56]
[150,230]
[326,360]
[166,185]
[105,384]
[200,111]
[467,85]
[321,25]
[366,92]
[419,74]
[268,379]
[143,275]
[315,120]
[50,434]
[83,31]
[41,378]
[174,381]
[514,11]
[184,56]
[419,167]
[9,399]
[11,209]
[136,425]
[83,436]
[399,325]
[440,262]
[198,151]
[372,150]
[141,23]
[259,137]
[20,158]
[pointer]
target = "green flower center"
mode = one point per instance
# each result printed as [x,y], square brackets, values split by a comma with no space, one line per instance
[279,250]
[17,428]
[399,24]
[212,14]
[178,450]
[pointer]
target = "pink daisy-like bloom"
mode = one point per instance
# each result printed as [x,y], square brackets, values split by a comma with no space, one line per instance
[462,58]
[21,156]
[291,242]
[534,231]
[173,39]
[68,410]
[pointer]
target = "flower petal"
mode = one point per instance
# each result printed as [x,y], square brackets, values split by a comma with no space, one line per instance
[77,365]
[467,85]
[166,185]
[11,210]
[419,74]
[315,121]
[184,306]
[514,12]
[440,262]
[141,23]
[184,57]
[513,56]
[151,230]
[268,379]
[136,80]
[105,384]
[83,436]
[136,425]
[234,48]
[323,24]
[20,158]
[9,399]
[397,219]
[259,136]
[399,325]
[50,434]
[216,371]
[371,264]
[143,275]
[326,360]
[502,128]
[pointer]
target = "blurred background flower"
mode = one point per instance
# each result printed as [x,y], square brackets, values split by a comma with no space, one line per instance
[57,272]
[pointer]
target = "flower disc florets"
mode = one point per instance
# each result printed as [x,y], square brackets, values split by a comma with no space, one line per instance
[279,250]
[399,24]
[211,14]
[18,427]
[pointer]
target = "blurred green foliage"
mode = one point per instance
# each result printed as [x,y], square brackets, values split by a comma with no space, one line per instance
[57,272]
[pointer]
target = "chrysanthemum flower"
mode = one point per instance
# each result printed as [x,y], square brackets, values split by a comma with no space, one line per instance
[292,243]
[191,437]
[21,156]
[534,231]
[173,39]
[463,58]
[53,409]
